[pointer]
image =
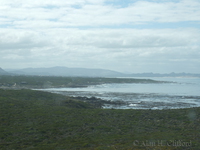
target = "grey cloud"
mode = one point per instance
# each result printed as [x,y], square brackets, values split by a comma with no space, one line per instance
[44,33]
[95,13]
[20,39]
[133,38]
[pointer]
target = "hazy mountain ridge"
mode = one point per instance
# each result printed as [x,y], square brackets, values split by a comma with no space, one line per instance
[65,71]
[3,72]
[85,72]
[183,74]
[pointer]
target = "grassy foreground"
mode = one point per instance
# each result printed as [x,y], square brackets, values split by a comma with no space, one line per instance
[38,120]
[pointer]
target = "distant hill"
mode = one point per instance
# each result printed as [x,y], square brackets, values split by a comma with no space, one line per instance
[65,71]
[3,72]
[85,72]
[164,75]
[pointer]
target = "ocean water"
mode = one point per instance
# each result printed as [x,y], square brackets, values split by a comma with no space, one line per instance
[182,93]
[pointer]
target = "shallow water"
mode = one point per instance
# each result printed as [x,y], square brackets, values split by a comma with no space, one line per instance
[183,93]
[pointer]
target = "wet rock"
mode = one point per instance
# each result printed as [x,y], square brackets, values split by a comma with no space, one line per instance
[99,103]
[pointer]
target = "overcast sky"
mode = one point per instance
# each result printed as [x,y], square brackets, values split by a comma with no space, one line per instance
[159,36]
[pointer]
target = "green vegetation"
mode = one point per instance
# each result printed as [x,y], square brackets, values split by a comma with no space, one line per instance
[53,81]
[45,121]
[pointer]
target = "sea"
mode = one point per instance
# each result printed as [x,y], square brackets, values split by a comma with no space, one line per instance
[180,92]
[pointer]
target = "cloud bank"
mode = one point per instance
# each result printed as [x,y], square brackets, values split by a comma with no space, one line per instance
[130,36]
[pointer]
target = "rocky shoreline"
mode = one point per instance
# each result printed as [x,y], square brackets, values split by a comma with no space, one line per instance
[98,102]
